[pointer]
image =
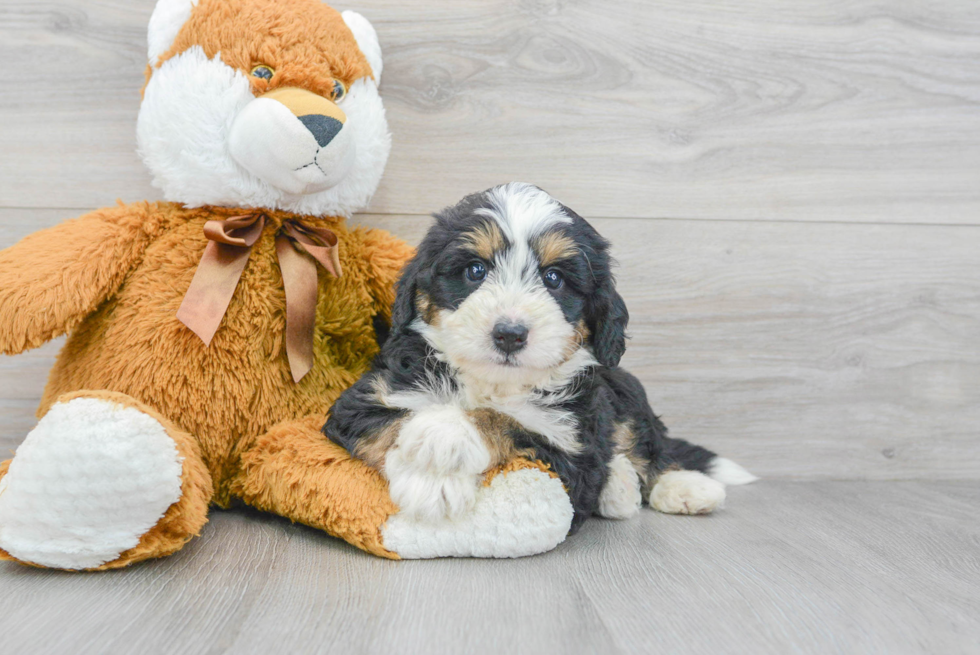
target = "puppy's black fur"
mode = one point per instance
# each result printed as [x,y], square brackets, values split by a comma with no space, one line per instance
[607,402]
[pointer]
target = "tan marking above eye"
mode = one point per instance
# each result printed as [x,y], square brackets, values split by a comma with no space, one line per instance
[485,240]
[553,247]
[426,309]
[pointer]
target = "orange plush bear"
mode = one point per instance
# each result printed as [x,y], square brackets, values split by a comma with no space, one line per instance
[209,334]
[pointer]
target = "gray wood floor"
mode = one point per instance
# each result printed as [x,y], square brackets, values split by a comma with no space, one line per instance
[817,567]
[793,192]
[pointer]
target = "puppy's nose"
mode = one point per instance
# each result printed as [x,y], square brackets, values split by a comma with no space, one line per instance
[509,337]
[323,128]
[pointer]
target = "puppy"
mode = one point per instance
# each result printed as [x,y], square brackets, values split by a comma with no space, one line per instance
[506,337]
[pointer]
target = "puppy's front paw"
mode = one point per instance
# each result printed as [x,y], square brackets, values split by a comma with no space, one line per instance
[436,465]
[431,498]
[442,440]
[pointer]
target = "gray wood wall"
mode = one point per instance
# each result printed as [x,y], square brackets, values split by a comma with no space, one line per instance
[793,191]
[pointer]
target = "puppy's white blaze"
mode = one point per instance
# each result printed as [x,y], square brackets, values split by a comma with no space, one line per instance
[523,211]
[726,471]
[686,492]
[620,497]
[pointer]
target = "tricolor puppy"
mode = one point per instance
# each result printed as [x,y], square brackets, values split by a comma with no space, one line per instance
[506,337]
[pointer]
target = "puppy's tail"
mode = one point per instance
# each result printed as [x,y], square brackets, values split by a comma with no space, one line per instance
[679,454]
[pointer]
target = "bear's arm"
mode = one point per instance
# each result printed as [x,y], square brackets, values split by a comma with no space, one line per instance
[52,279]
[386,256]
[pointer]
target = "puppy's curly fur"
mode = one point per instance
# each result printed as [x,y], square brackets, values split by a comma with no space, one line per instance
[506,338]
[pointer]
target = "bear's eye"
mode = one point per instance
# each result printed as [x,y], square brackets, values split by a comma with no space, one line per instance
[263,72]
[553,278]
[476,271]
[339,91]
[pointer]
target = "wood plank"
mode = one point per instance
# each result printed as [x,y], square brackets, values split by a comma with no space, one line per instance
[817,111]
[802,350]
[811,567]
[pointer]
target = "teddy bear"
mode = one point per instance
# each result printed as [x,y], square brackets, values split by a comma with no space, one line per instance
[209,333]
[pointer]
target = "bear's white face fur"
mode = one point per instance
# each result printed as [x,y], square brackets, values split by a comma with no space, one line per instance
[208,140]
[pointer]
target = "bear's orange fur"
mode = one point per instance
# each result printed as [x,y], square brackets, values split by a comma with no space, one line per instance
[115,277]
[306,49]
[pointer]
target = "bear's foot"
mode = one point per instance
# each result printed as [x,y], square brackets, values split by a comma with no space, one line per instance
[296,472]
[521,512]
[100,482]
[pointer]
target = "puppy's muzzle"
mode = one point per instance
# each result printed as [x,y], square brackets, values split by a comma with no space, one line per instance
[293,139]
[509,338]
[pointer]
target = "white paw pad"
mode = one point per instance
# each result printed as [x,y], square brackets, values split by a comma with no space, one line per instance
[686,492]
[620,497]
[521,513]
[88,481]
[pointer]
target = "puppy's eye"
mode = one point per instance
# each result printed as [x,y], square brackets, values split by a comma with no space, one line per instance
[339,91]
[476,271]
[552,278]
[263,72]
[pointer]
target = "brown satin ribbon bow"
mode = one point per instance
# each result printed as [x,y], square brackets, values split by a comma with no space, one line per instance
[229,244]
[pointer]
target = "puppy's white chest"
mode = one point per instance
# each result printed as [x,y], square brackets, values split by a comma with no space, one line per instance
[480,393]
[528,407]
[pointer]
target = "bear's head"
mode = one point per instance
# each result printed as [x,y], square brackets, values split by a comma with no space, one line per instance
[263,103]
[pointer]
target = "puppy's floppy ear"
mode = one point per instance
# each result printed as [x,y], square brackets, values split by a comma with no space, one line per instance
[403,310]
[606,311]
[609,320]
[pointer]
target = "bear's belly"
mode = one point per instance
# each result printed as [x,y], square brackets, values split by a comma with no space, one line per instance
[237,388]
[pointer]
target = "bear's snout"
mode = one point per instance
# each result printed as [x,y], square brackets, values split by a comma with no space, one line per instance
[293,139]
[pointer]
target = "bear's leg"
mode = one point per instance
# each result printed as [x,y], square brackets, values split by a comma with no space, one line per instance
[102,481]
[296,472]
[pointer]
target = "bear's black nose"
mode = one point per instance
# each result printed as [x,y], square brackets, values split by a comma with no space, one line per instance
[323,128]
[509,337]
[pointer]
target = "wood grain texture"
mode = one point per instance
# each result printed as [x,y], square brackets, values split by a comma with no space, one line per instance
[850,110]
[818,567]
[790,334]
[802,350]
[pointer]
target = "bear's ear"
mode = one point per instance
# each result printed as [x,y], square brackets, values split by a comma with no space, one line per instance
[165,22]
[367,40]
